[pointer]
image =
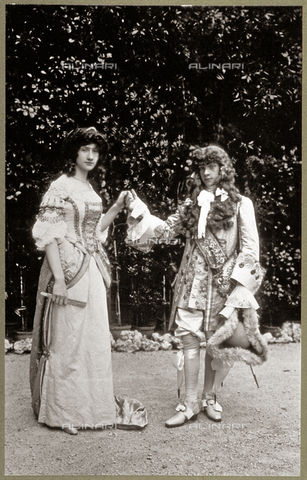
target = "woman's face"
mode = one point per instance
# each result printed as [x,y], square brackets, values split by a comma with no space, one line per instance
[210,174]
[87,158]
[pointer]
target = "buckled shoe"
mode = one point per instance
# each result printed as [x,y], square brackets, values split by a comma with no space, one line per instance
[212,409]
[183,414]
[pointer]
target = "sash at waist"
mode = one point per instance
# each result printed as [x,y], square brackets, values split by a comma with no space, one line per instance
[102,262]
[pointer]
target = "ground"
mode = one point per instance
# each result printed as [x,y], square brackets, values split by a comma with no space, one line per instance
[259,433]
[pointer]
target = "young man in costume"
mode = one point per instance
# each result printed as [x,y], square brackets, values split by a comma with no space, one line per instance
[217,279]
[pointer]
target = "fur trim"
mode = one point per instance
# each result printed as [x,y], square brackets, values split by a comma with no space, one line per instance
[255,354]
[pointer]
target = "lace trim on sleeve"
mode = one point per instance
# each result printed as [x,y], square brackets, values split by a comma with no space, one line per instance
[240,297]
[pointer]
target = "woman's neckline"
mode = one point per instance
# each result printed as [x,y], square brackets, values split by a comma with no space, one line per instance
[84,182]
[80,180]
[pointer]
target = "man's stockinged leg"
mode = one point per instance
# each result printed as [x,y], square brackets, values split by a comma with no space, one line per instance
[191,371]
[215,373]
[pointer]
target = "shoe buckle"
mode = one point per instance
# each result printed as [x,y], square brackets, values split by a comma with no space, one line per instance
[187,411]
[213,403]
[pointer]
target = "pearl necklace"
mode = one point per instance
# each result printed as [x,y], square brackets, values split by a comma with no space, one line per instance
[83,181]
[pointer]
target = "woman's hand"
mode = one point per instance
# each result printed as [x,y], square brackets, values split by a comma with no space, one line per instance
[123,201]
[59,293]
[125,198]
[120,202]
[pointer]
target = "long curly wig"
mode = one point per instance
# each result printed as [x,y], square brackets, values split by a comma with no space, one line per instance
[75,140]
[221,212]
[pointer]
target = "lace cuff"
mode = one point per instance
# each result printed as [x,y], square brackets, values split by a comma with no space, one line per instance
[141,226]
[138,208]
[138,220]
[240,297]
[146,230]
[137,227]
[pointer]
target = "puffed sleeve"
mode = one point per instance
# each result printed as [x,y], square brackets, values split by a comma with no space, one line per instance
[50,221]
[142,226]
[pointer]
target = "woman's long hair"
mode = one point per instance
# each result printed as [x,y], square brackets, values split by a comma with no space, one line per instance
[220,213]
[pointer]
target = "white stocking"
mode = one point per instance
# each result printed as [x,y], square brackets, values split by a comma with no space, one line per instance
[221,372]
[191,368]
[219,377]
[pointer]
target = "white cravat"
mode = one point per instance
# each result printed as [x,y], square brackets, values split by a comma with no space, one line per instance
[221,192]
[204,200]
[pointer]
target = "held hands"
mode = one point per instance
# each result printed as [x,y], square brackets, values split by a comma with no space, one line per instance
[125,198]
[59,293]
[130,199]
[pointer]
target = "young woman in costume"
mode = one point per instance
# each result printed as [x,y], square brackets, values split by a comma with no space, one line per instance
[218,276]
[70,367]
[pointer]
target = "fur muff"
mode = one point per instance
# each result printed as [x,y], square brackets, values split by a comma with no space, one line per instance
[255,354]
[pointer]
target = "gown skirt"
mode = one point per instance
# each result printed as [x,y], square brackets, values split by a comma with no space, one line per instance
[77,385]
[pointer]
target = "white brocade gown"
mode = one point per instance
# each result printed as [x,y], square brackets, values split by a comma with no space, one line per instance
[77,385]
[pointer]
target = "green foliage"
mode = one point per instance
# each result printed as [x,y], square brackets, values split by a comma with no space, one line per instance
[152,107]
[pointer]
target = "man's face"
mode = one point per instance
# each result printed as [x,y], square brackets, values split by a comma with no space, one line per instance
[210,174]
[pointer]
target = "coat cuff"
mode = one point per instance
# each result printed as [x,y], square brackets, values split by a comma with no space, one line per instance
[248,272]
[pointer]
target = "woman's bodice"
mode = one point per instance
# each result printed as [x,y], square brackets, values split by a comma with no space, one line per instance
[70,209]
[83,211]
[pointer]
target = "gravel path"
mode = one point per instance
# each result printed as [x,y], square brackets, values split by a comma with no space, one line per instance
[259,434]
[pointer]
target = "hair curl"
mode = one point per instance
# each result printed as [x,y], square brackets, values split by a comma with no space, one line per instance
[220,213]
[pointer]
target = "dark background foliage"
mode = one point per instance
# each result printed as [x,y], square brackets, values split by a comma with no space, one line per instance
[151,108]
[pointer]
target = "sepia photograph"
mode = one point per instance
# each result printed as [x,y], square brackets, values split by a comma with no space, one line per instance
[153,240]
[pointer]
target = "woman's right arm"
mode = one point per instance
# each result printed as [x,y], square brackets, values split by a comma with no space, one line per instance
[49,226]
[59,293]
